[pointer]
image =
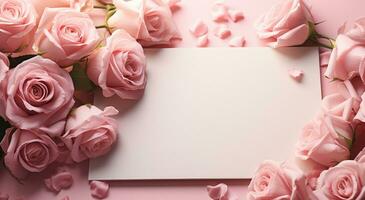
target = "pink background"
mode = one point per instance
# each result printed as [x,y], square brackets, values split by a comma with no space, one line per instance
[333,12]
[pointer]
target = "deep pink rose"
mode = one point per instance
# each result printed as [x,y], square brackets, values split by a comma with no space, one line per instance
[276,181]
[325,141]
[149,21]
[37,94]
[27,151]
[286,24]
[18,20]
[346,181]
[361,156]
[90,132]
[119,67]
[65,36]
[348,57]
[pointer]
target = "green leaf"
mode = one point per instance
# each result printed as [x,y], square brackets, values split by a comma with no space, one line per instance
[80,79]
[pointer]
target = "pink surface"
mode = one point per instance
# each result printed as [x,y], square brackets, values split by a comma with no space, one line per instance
[333,12]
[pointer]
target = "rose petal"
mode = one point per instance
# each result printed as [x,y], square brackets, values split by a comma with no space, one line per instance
[222,32]
[296,74]
[4,196]
[59,181]
[218,191]
[203,41]
[238,41]
[219,12]
[236,15]
[199,28]
[99,189]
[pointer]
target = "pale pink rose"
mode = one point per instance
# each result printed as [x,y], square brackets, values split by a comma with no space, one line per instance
[4,66]
[57,182]
[99,189]
[90,132]
[276,181]
[149,21]
[286,24]
[119,67]
[361,156]
[346,181]
[27,151]
[81,5]
[325,141]
[38,94]
[312,177]
[18,20]
[348,57]
[65,36]
[339,106]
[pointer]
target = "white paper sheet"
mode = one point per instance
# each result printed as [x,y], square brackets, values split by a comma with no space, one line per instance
[212,113]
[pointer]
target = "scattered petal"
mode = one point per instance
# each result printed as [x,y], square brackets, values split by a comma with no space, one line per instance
[59,181]
[199,28]
[66,198]
[173,4]
[4,196]
[99,189]
[203,41]
[222,32]
[238,41]
[296,74]
[236,15]
[324,58]
[220,192]
[220,12]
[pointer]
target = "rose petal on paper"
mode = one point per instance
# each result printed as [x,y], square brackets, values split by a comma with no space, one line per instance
[203,41]
[199,28]
[220,12]
[222,32]
[236,15]
[99,189]
[237,41]
[4,196]
[59,181]
[296,74]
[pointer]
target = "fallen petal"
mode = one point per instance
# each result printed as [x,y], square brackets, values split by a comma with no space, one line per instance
[59,181]
[238,41]
[236,15]
[222,32]
[296,74]
[99,189]
[199,28]
[220,13]
[218,191]
[203,41]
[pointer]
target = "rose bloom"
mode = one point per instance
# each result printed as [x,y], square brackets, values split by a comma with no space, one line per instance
[285,24]
[65,36]
[324,141]
[346,181]
[37,94]
[18,20]
[339,106]
[278,181]
[27,151]
[119,67]
[4,66]
[360,115]
[90,132]
[149,21]
[81,5]
[347,58]
[361,156]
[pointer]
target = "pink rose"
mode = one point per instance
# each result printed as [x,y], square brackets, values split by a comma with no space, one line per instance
[119,67]
[278,181]
[149,21]
[339,106]
[348,57]
[65,36]
[286,24]
[90,132]
[4,66]
[27,151]
[81,5]
[346,181]
[361,156]
[18,20]
[37,94]
[360,115]
[325,141]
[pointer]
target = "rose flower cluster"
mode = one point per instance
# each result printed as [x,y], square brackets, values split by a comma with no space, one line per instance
[49,50]
[329,159]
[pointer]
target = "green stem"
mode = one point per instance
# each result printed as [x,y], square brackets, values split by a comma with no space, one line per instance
[100,7]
